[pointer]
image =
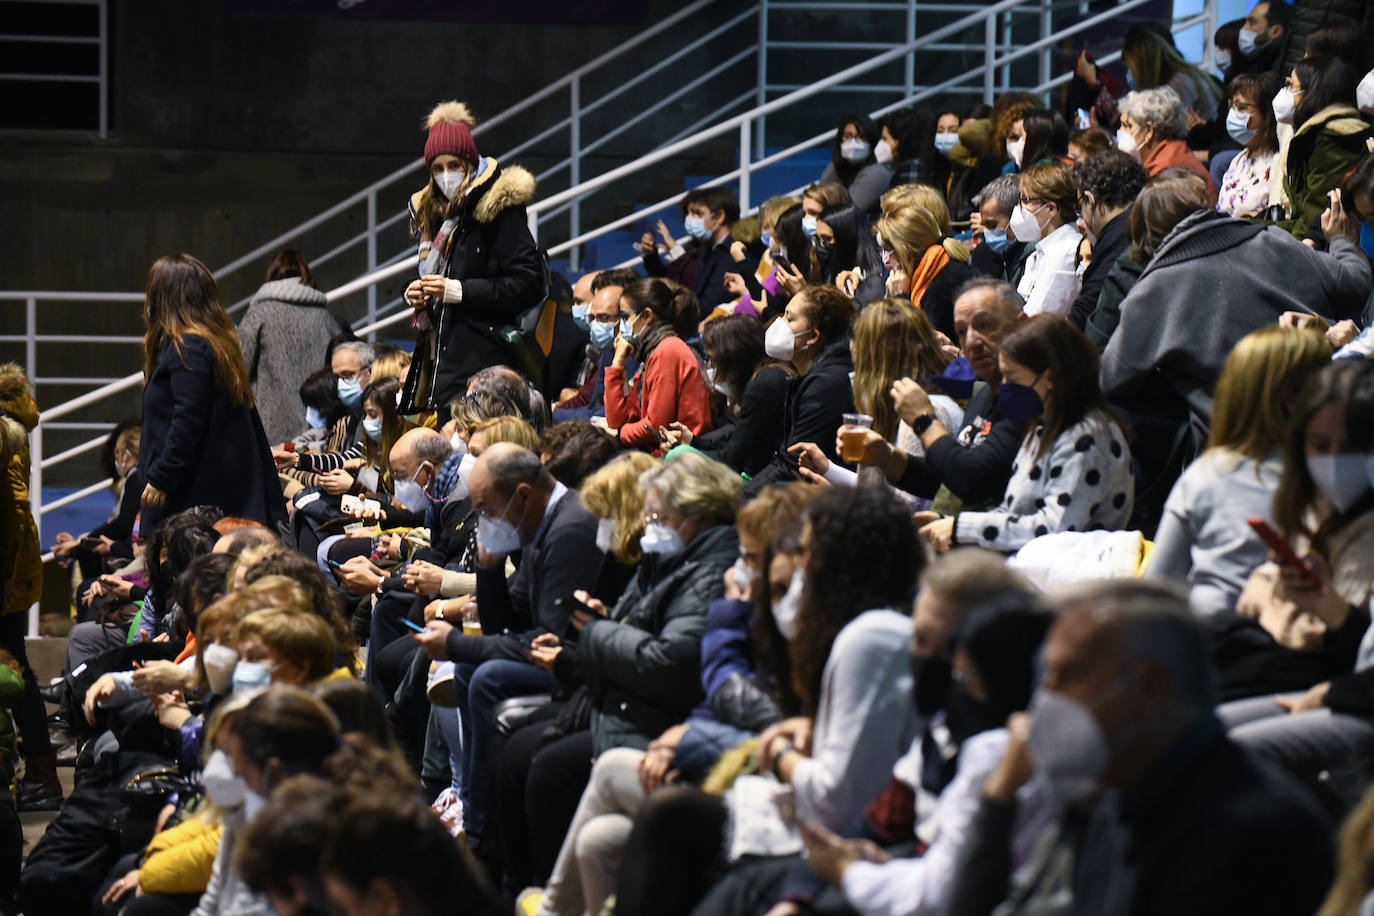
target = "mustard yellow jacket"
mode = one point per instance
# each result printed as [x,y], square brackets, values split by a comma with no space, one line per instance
[21,569]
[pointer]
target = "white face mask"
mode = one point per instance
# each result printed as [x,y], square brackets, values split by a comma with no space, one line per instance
[854,150]
[779,341]
[495,534]
[1067,745]
[1125,141]
[372,427]
[1238,126]
[253,802]
[1223,60]
[605,534]
[450,182]
[458,444]
[883,152]
[1024,224]
[1342,479]
[224,788]
[1016,149]
[1247,41]
[1284,106]
[1364,93]
[946,142]
[219,663]
[409,494]
[660,539]
[787,608]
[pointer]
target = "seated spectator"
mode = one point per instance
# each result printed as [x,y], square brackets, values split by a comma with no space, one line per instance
[964,156]
[1329,136]
[287,324]
[927,265]
[114,538]
[998,255]
[812,335]
[669,387]
[1250,122]
[756,281]
[794,257]
[1203,538]
[908,146]
[1153,62]
[612,494]
[755,388]
[1264,271]
[1073,471]
[1086,141]
[1108,184]
[1123,657]
[351,365]
[853,166]
[390,362]
[287,646]
[562,365]
[968,466]
[572,451]
[1263,39]
[603,317]
[520,507]
[852,670]
[1153,130]
[1162,204]
[1047,217]
[322,431]
[1043,138]
[641,657]
[846,253]
[710,214]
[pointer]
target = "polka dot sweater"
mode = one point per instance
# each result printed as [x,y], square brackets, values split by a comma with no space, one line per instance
[1082,483]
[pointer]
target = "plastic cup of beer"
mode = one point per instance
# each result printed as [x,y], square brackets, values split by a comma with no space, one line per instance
[472,628]
[852,434]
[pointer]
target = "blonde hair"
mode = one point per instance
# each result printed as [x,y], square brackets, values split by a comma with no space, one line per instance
[774,207]
[703,490]
[506,429]
[391,364]
[1258,385]
[826,193]
[1351,884]
[298,636]
[777,508]
[910,228]
[892,339]
[267,592]
[128,440]
[612,493]
[250,557]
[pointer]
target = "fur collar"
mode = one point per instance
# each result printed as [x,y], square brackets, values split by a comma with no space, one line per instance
[18,408]
[501,188]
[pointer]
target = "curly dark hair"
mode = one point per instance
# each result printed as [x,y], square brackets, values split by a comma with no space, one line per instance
[615,276]
[574,450]
[863,554]
[200,583]
[1112,177]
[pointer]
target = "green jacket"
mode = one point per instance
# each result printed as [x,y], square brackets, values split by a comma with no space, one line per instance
[11,692]
[1322,150]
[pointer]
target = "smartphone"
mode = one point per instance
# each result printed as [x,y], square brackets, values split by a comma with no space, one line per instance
[784,263]
[413,625]
[348,503]
[1284,551]
[89,543]
[1084,121]
[572,605]
[333,564]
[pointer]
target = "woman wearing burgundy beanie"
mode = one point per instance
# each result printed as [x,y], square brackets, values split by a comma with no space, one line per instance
[482,280]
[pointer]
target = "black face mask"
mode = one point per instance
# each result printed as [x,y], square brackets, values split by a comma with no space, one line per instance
[966,716]
[931,678]
[825,250]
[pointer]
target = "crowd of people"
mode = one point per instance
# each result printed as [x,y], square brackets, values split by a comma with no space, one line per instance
[988,530]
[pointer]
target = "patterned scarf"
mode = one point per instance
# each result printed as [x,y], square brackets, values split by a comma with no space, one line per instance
[434,260]
[444,482]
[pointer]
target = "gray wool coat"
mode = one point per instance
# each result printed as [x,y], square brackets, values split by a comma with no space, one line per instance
[284,334]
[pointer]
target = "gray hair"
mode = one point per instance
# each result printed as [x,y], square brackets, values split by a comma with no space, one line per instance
[510,465]
[1154,623]
[1160,108]
[1006,189]
[361,349]
[434,448]
[970,576]
[502,382]
[1006,293]
[705,491]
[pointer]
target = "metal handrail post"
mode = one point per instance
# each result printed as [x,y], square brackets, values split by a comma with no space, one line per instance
[104,70]
[1046,12]
[1006,43]
[989,55]
[762,91]
[744,157]
[1209,12]
[575,164]
[909,64]
[372,257]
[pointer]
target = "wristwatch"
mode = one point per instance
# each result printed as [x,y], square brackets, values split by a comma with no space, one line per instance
[922,423]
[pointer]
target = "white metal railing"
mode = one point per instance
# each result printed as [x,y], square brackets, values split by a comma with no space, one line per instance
[100,78]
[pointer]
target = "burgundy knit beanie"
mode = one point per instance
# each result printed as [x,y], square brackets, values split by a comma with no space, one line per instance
[450,132]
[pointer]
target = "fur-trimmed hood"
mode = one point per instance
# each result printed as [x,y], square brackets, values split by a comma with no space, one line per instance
[498,188]
[16,397]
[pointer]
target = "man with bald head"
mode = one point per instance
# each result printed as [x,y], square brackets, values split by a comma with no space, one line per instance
[968,467]
[524,513]
[603,314]
[1160,813]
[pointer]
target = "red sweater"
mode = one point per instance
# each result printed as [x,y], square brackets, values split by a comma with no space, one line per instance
[669,387]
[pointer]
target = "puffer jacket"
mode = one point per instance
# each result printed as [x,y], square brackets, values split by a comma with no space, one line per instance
[21,566]
[494,256]
[645,659]
[1322,151]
